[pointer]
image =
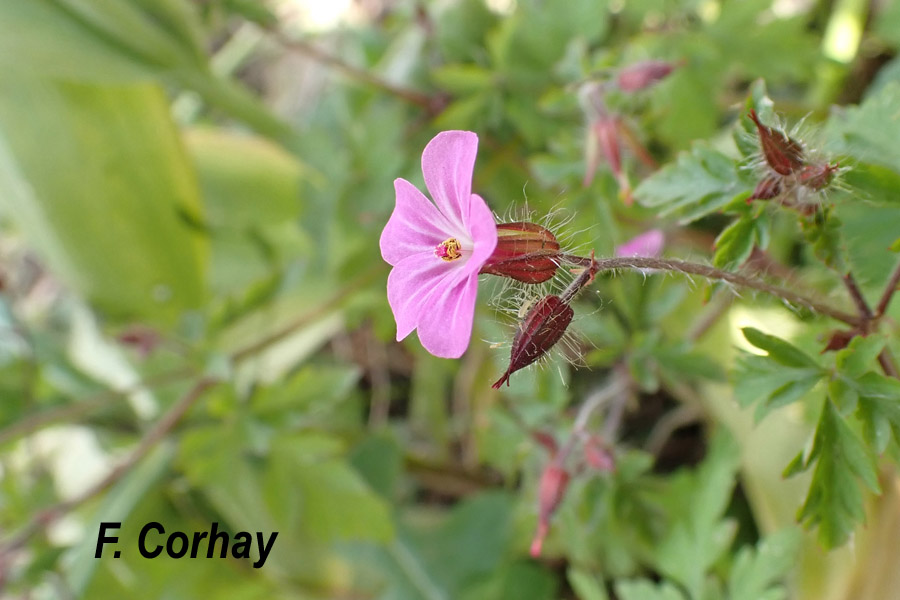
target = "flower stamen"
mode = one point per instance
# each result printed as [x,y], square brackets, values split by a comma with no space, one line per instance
[448,250]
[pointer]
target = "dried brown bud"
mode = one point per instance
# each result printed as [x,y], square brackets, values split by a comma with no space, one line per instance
[643,74]
[551,489]
[768,188]
[782,153]
[525,252]
[543,326]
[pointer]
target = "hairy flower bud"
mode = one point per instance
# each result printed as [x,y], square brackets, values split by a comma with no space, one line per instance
[643,74]
[782,153]
[817,176]
[552,487]
[768,188]
[525,252]
[543,326]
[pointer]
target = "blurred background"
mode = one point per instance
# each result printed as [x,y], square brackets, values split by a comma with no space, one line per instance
[194,327]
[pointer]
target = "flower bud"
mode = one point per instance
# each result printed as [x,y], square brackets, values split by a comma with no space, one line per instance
[598,455]
[782,153]
[643,74]
[552,487]
[544,324]
[769,187]
[817,176]
[525,252]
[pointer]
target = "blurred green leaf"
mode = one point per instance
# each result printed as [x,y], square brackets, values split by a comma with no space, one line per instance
[757,572]
[696,541]
[585,585]
[109,201]
[641,589]
[869,132]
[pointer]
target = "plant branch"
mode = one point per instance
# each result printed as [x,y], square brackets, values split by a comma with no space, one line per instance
[869,320]
[36,421]
[888,294]
[162,427]
[688,268]
[856,295]
[361,75]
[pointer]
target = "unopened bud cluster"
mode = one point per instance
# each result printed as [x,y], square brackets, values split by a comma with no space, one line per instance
[789,166]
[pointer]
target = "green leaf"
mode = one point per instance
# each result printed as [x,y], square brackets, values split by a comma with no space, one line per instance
[246,180]
[859,355]
[869,132]
[779,350]
[734,244]
[834,501]
[462,79]
[866,234]
[698,183]
[756,573]
[761,378]
[641,589]
[585,585]
[825,234]
[110,201]
[696,542]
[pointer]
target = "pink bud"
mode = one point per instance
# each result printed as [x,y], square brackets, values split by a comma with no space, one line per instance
[551,488]
[525,252]
[598,456]
[649,244]
[643,74]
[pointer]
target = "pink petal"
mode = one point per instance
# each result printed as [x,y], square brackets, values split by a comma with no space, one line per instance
[445,326]
[648,244]
[483,231]
[447,163]
[415,226]
[411,284]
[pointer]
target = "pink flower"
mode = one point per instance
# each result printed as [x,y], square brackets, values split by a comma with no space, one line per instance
[648,244]
[438,251]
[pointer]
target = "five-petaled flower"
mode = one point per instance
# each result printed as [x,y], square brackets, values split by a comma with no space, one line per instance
[437,250]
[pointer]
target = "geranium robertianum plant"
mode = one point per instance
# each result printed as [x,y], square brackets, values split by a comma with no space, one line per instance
[438,250]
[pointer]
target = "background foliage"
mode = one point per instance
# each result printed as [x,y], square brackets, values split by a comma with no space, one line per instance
[192,194]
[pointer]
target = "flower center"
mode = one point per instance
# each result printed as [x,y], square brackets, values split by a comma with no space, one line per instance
[448,250]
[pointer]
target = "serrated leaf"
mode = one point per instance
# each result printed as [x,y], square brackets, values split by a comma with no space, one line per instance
[834,501]
[698,183]
[760,378]
[779,350]
[756,572]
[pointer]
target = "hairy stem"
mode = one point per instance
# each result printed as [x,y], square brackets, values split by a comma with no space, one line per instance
[688,268]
